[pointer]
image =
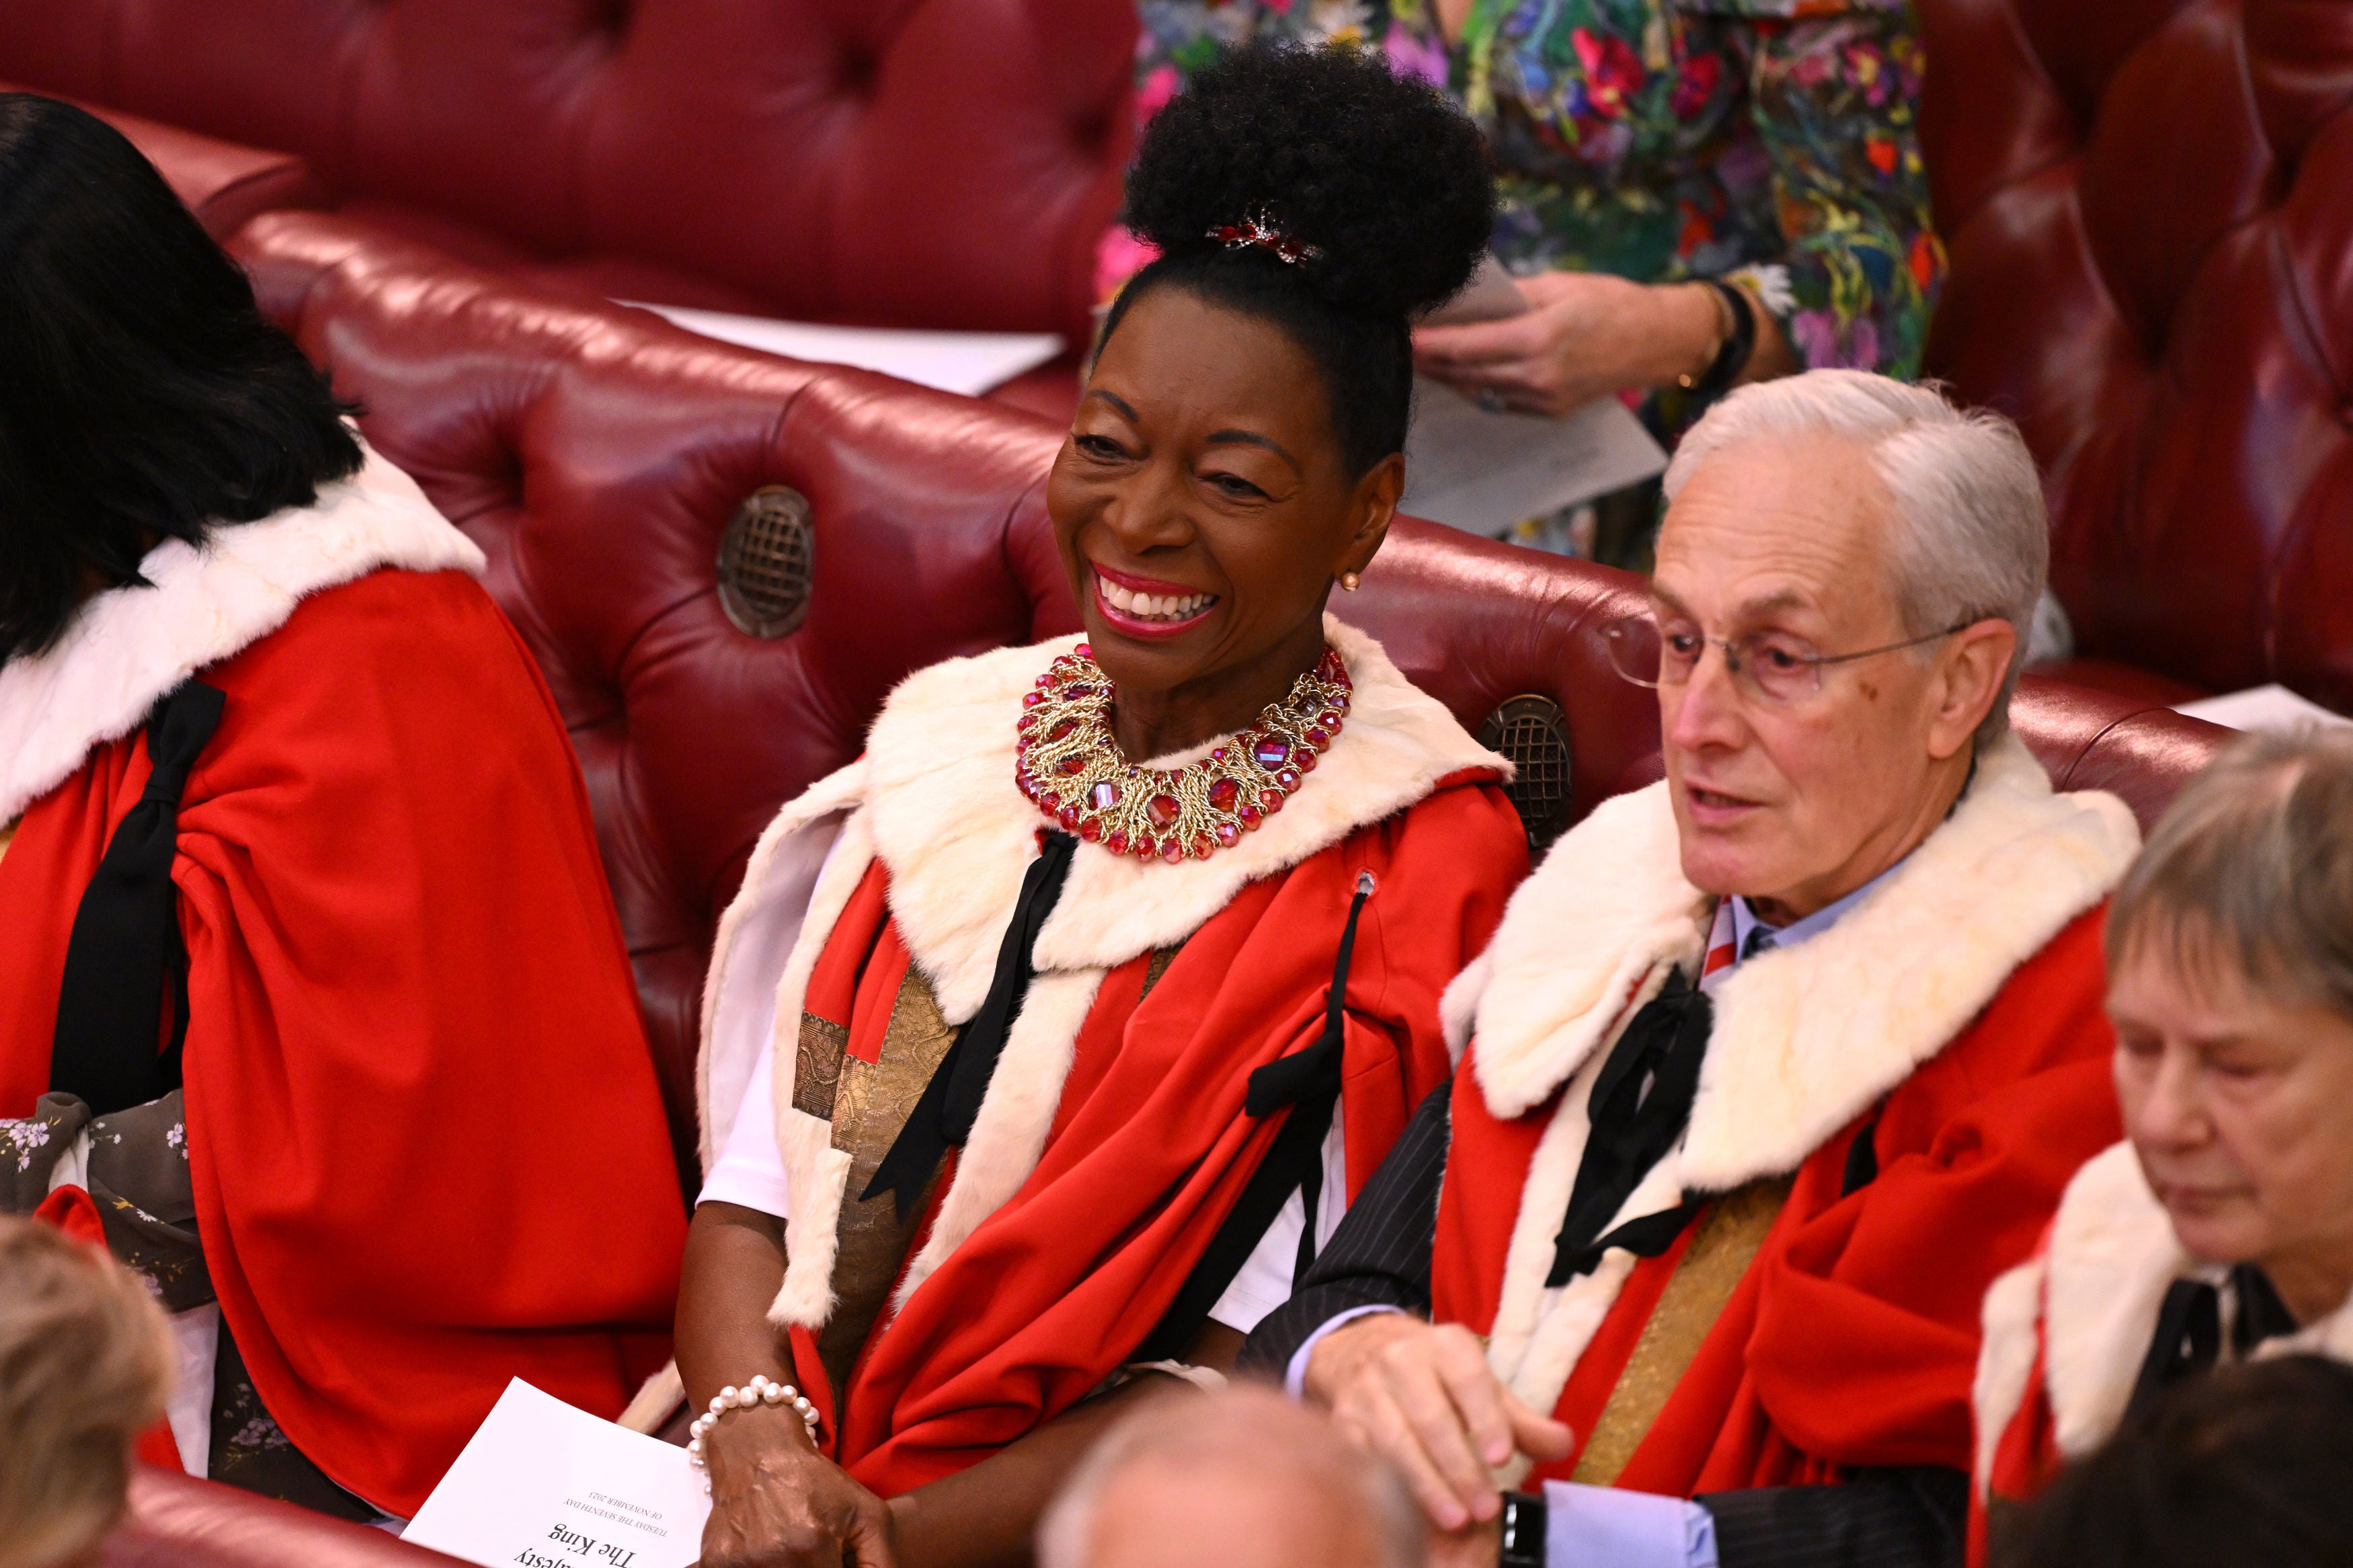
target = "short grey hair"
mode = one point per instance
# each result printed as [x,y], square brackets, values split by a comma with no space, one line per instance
[1971,538]
[1247,1431]
[2252,869]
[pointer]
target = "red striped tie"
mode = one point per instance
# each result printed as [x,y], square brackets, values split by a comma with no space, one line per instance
[1719,944]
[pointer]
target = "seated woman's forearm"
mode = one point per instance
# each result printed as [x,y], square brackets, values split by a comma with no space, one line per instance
[987,1516]
[734,1266]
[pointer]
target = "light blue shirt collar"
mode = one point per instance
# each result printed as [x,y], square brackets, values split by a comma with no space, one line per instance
[1744,918]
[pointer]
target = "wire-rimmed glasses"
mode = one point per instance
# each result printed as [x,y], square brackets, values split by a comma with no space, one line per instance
[1772,666]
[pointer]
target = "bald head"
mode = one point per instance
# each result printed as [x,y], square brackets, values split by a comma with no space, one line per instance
[1245,1478]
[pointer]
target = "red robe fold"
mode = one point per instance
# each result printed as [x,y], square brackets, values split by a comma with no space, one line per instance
[1150,1146]
[427,1147]
[1852,1339]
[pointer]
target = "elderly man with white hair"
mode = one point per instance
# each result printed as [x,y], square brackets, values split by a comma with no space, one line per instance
[1757,1097]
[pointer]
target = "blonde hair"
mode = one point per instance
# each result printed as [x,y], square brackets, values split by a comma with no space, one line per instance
[2252,869]
[86,1362]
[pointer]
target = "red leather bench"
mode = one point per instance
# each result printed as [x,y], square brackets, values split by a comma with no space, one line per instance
[2149,210]
[910,162]
[602,458]
[225,184]
[604,461]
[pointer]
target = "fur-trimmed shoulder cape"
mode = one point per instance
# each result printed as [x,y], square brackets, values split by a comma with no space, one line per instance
[932,810]
[402,958]
[1806,1040]
[2066,1331]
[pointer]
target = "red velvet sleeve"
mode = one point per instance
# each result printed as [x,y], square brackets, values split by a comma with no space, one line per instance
[427,1145]
[1443,870]
[1867,1332]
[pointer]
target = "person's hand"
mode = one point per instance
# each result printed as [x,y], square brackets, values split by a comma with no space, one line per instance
[776,1502]
[1422,1396]
[1589,334]
[1479,1545]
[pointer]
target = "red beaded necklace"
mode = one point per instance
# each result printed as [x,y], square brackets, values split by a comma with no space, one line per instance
[1066,760]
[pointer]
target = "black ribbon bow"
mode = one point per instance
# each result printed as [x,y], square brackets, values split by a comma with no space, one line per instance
[943,1117]
[1308,1081]
[109,1048]
[2189,1337]
[1637,1110]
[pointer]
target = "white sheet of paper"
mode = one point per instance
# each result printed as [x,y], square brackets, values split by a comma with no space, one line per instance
[542,1485]
[968,363]
[2273,708]
[1483,472]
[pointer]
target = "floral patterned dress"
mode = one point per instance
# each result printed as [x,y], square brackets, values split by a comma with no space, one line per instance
[1767,142]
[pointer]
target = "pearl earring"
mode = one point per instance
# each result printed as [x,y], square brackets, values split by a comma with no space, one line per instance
[1349,581]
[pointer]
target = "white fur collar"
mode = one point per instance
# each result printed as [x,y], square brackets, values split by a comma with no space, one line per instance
[958,835]
[2097,1289]
[128,647]
[1805,1037]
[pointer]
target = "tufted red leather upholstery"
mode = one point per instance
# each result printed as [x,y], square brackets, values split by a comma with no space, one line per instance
[900,162]
[597,454]
[2149,208]
[225,184]
[178,1521]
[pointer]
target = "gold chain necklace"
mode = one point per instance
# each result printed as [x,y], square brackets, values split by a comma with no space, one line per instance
[1066,760]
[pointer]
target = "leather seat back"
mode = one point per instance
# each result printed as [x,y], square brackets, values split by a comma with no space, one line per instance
[605,460]
[2149,210]
[905,161]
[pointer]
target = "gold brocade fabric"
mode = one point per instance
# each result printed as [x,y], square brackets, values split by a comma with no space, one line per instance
[1726,1243]
[869,1105]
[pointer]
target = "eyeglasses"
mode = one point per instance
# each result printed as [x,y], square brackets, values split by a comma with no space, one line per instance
[1771,666]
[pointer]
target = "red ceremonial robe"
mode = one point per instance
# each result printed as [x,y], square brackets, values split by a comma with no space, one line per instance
[1113,1140]
[2066,1332]
[1838,1331]
[427,1146]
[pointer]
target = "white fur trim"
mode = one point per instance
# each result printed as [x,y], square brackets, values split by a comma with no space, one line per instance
[934,798]
[958,835]
[1009,1132]
[1804,1038]
[2013,1308]
[128,647]
[758,935]
[2113,1256]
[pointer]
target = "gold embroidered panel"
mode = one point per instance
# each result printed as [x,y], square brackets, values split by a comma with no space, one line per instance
[1726,1243]
[868,1105]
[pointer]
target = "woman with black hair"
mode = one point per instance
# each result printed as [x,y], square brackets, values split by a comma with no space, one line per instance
[309,977]
[1045,1042]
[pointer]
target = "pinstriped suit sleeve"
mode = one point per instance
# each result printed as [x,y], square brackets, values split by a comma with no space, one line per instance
[1379,1256]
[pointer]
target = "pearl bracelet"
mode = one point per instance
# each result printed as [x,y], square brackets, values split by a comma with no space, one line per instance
[759,1391]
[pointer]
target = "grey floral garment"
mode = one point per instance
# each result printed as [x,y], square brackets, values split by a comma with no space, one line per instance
[137,1174]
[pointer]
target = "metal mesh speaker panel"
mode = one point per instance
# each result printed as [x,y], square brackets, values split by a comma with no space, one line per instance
[1533,733]
[765,561]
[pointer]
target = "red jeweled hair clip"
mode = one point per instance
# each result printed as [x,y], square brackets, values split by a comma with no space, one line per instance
[1259,231]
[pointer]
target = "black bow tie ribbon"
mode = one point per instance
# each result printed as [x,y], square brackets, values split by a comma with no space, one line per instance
[1637,1110]
[108,1047]
[943,1117]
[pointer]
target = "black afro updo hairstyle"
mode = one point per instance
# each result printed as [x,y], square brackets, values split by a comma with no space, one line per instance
[1381,175]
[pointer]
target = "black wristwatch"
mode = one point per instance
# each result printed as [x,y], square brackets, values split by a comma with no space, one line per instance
[1524,1530]
[1733,354]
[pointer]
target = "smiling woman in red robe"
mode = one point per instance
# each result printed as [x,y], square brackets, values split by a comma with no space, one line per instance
[1048,1039]
[310,972]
